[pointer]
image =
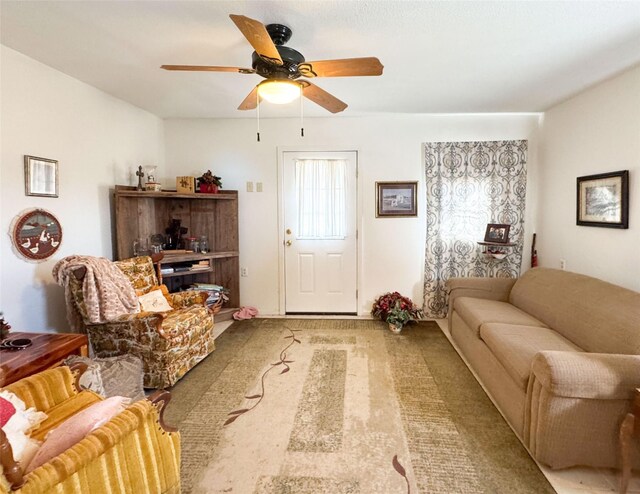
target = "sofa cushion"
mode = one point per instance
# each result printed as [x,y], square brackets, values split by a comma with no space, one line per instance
[476,312]
[596,315]
[516,346]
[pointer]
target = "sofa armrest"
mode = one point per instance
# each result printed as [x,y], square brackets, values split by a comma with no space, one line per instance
[488,288]
[141,418]
[601,376]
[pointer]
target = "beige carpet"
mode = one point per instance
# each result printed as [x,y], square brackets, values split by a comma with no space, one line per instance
[342,406]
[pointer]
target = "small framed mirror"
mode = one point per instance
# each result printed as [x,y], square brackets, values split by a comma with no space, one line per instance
[40,177]
[36,234]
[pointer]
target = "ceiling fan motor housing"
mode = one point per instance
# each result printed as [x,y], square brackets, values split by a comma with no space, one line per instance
[288,70]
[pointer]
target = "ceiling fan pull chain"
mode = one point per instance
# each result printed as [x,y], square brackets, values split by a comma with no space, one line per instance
[258,113]
[301,116]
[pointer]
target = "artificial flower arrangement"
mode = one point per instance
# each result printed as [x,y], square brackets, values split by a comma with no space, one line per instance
[396,310]
[209,182]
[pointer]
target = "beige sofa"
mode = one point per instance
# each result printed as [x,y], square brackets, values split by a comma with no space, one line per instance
[559,353]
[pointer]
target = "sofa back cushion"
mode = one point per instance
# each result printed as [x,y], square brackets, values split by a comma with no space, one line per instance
[595,315]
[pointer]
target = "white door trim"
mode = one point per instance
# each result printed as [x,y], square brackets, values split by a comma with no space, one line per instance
[281,200]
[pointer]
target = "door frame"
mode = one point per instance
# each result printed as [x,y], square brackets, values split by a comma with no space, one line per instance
[358,219]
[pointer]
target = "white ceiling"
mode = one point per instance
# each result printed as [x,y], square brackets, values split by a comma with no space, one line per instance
[439,57]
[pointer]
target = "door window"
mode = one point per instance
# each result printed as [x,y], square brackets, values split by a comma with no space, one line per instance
[321,192]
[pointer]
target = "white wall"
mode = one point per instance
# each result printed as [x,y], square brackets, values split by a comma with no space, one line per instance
[389,149]
[594,132]
[98,141]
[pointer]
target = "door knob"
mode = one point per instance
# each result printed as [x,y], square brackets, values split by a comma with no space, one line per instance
[288,231]
[288,243]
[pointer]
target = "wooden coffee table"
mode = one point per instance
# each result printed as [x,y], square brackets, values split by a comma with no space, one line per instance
[47,350]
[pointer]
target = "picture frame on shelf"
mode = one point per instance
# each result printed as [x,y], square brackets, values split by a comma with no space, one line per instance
[40,176]
[497,233]
[396,199]
[186,185]
[602,200]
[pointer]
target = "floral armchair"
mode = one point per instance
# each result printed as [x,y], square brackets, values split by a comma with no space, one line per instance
[169,343]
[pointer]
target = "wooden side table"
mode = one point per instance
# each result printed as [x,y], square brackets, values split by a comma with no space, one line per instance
[629,429]
[47,350]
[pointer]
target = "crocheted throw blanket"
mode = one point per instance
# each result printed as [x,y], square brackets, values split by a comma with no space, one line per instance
[107,292]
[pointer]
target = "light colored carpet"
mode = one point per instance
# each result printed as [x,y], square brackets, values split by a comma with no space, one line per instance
[342,406]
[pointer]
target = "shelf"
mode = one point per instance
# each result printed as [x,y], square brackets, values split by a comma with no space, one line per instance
[141,214]
[191,272]
[225,314]
[193,256]
[220,196]
[496,244]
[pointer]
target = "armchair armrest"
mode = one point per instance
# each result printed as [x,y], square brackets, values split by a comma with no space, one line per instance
[187,298]
[601,376]
[141,326]
[488,288]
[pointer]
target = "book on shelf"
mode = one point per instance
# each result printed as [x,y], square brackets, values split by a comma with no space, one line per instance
[167,270]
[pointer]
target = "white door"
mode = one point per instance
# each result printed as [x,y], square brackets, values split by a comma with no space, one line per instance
[320,232]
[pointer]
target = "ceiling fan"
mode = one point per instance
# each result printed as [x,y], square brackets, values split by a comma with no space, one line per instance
[282,66]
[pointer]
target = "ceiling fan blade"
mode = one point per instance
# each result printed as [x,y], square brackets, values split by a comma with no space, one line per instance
[251,101]
[341,68]
[323,98]
[208,68]
[258,37]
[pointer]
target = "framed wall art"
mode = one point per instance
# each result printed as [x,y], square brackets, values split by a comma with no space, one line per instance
[40,177]
[396,199]
[603,200]
[36,234]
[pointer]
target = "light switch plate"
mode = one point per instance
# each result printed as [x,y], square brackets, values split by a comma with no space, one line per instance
[249,186]
[258,186]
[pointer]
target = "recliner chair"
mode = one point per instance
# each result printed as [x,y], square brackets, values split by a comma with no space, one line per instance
[168,343]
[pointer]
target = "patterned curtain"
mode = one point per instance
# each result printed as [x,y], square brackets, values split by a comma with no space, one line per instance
[468,185]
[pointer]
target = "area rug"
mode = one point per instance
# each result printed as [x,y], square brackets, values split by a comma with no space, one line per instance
[342,406]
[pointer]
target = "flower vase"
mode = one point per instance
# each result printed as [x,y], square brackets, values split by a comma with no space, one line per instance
[209,188]
[395,329]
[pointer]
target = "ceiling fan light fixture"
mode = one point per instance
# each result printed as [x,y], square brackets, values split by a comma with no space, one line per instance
[279,92]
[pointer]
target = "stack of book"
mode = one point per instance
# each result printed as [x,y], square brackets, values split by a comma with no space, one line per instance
[200,265]
[216,292]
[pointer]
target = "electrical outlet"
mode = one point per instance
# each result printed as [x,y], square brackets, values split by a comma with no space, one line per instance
[258,186]
[249,186]
[563,264]
[244,272]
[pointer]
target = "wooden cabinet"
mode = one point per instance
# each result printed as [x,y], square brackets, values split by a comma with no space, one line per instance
[140,214]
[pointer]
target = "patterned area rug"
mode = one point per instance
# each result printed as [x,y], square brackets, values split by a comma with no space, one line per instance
[342,406]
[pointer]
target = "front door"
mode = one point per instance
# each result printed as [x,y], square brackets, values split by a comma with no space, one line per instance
[320,232]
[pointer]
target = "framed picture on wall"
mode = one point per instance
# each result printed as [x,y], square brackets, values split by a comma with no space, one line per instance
[603,200]
[40,177]
[396,199]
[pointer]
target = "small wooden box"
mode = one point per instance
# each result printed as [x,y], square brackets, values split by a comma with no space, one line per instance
[186,185]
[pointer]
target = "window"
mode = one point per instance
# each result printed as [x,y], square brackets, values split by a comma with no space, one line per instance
[321,194]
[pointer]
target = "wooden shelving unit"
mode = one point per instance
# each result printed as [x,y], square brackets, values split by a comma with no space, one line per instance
[140,214]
